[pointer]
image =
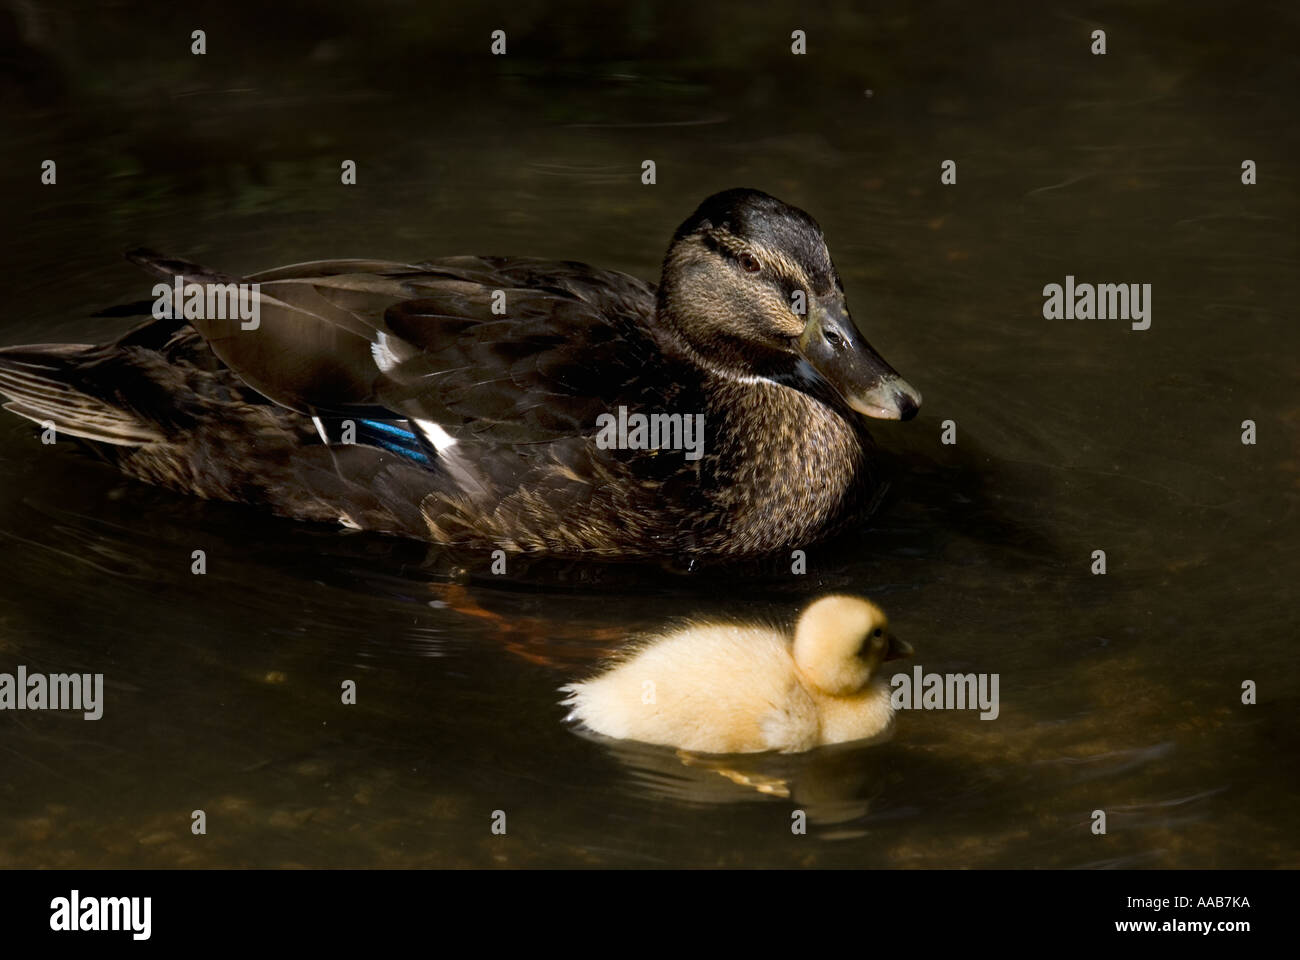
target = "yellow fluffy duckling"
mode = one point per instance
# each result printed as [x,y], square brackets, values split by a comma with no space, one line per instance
[736,688]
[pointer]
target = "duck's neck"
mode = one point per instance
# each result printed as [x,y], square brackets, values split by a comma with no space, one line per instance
[789,467]
[785,463]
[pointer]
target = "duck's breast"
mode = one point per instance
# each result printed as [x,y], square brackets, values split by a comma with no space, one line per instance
[790,468]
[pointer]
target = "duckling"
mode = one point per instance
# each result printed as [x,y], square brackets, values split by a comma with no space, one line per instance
[399,398]
[737,688]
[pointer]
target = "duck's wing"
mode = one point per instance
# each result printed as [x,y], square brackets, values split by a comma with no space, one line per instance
[512,350]
[534,353]
[309,347]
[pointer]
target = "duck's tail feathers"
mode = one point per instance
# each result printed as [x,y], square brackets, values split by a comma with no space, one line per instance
[41,383]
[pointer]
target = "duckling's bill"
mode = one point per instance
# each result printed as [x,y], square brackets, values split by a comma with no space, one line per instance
[898,649]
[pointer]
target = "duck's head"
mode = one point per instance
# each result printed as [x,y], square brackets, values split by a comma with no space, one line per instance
[748,285]
[840,642]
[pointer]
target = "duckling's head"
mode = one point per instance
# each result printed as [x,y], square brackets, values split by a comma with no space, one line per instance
[749,287]
[840,642]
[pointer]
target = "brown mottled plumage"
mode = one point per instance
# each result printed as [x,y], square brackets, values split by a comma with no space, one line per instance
[477,428]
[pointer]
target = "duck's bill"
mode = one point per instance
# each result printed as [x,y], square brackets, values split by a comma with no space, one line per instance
[898,649]
[891,398]
[840,354]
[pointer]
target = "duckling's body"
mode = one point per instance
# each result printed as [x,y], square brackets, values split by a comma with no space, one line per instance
[397,397]
[742,688]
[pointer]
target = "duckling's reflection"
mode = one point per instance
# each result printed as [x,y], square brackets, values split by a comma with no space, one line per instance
[832,785]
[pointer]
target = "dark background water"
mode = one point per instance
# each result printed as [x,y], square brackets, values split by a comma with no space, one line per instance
[1119,692]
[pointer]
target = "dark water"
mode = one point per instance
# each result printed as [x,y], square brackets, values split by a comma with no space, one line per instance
[1119,692]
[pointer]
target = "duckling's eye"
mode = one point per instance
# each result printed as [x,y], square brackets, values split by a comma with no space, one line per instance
[749,262]
[877,632]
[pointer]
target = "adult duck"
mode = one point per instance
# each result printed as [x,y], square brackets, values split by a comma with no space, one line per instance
[494,401]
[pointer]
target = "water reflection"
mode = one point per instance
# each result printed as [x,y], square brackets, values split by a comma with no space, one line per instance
[832,785]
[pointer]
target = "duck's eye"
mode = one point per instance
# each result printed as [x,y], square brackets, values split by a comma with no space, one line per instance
[749,262]
[836,341]
[877,632]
